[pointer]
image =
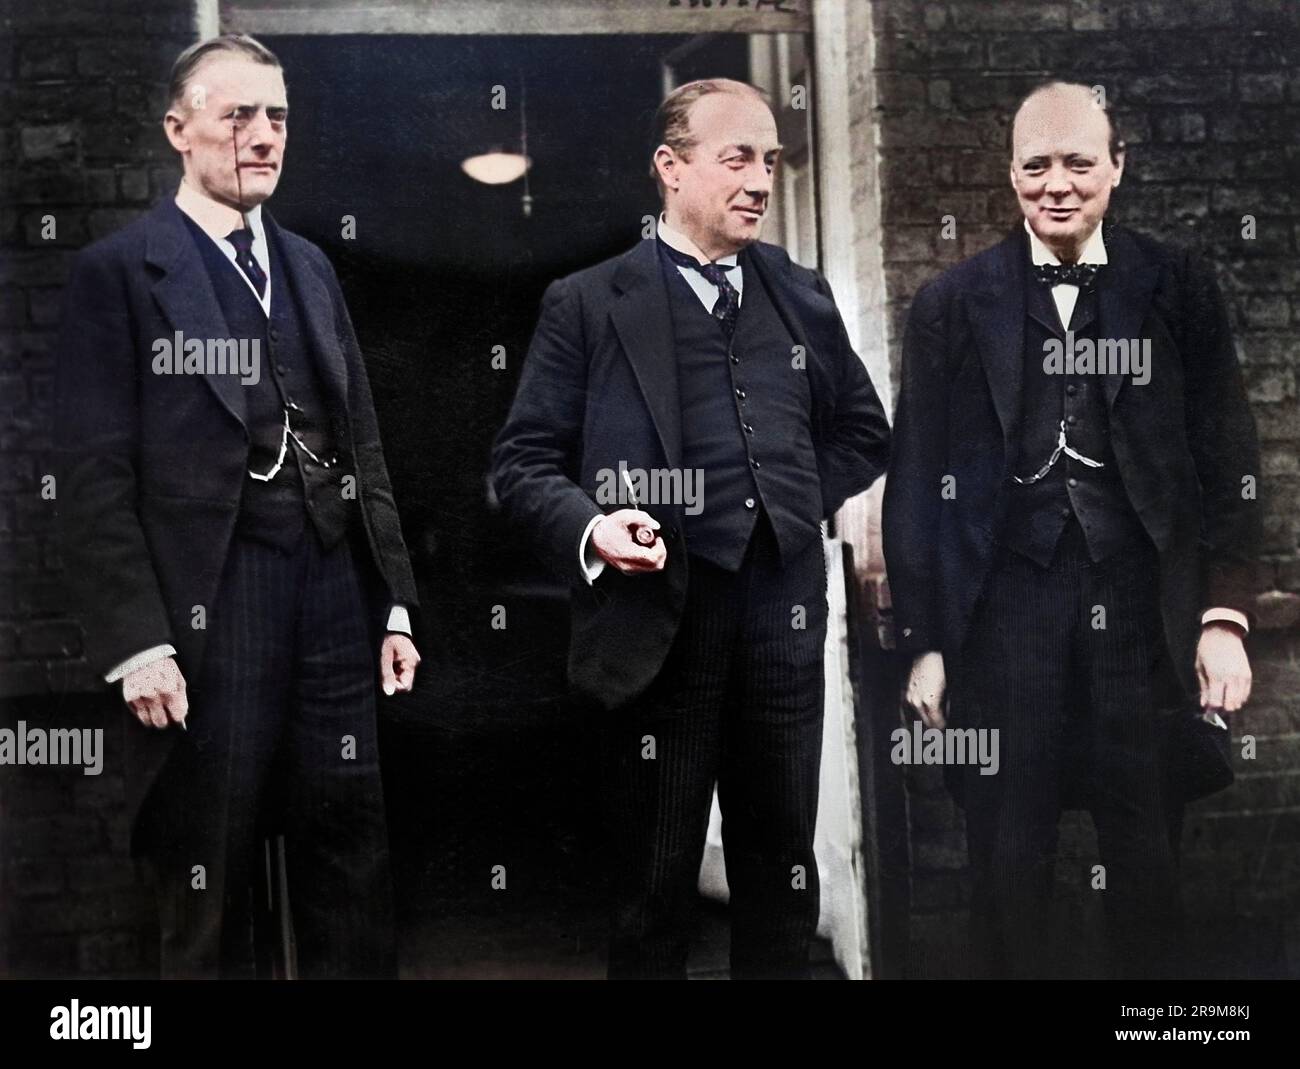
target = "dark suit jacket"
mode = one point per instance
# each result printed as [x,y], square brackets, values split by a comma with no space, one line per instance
[599,386]
[1183,441]
[153,466]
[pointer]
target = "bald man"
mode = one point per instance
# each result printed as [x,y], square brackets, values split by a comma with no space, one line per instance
[1068,521]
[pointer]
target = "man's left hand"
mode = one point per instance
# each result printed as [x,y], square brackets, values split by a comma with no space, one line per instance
[1222,668]
[397,661]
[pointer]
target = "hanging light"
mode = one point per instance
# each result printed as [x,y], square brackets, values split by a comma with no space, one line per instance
[499,168]
[496,168]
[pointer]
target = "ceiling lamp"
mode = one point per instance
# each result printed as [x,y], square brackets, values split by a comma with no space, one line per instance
[498,168]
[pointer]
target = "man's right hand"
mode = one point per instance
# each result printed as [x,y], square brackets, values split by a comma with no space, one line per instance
[614,538]
[156,693]
[925,688]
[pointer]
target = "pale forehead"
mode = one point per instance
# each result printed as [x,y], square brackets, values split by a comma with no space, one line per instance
[1062,119]
[733,118]
[225,76]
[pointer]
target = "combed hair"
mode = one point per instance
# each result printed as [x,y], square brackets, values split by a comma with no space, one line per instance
[188,61]
[672,121]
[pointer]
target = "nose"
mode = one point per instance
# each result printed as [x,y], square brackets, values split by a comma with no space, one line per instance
[260,132]
[1058,182]
[758,181]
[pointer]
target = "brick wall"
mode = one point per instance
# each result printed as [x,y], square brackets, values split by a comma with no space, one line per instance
[1207,95]
[81,91]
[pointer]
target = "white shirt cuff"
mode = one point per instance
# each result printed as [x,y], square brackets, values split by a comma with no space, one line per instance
[589,561]
[144,657]
[1231,616]
[399,619]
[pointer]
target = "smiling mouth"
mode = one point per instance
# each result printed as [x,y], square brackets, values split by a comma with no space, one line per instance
[753,213]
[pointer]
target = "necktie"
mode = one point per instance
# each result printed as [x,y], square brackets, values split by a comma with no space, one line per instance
[727,307]
[242,240]
[1082,275]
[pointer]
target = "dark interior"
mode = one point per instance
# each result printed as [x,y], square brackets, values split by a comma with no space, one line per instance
[488,762]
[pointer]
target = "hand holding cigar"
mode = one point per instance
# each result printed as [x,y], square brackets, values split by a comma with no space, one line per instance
[629,540]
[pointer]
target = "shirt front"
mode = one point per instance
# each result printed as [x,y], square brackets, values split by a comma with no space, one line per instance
[218,220]
[705,290]
[1066,294]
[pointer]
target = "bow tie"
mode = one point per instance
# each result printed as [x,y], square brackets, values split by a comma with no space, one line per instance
[1082,275]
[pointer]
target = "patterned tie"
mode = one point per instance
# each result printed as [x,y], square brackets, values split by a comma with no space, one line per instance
[727,307]
[242,240]
[1082,275]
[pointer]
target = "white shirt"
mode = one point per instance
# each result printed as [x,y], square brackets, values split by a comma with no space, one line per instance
[1066,294]
[705,290]
[217,220]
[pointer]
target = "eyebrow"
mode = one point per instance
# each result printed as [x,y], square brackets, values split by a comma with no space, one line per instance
[237,104]
[748,150]
[1067,156]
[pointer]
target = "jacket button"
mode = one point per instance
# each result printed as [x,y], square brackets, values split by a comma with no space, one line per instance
[749,429]
[907,632]
[1072,481]
[754,464]
[749,502]
[735,359]
[740,393]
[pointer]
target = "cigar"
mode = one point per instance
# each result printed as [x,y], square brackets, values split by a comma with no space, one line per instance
[645,536]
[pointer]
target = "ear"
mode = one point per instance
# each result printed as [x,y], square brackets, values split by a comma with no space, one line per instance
[665,161]
[174,128]
[1119,169]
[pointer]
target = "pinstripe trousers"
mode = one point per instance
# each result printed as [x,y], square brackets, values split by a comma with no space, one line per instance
[1064,662]
[738,703]
[282,735]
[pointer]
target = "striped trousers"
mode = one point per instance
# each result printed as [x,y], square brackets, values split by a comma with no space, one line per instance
[282,736]
[738,703]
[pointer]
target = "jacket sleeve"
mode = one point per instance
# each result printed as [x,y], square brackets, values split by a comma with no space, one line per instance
[372,471]
[1224,447]
[912,498]
[108,571]
[854,449]
[537,455]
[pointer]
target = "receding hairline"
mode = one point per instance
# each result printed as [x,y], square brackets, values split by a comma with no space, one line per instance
[1115,146]
[226,46]
[672,120]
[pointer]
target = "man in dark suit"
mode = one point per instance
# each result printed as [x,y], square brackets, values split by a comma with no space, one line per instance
[231,539]
[706,383]
[1065,534]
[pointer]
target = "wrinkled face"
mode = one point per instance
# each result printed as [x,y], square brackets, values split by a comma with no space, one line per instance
[719,192]
[231,128]
[1061,168]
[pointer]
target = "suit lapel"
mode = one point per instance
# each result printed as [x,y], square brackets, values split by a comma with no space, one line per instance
[997,317]
[774,275]
[317,306]
[643,321]
[186,297]
[1124,292]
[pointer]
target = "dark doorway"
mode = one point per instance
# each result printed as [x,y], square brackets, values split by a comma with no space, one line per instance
[488,763]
